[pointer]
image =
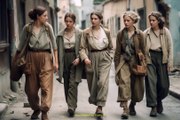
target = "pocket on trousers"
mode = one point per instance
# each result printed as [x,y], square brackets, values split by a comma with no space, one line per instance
[28,69]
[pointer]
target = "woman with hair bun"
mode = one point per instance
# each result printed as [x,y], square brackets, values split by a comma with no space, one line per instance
[129,42]
[159,57]
[40,67]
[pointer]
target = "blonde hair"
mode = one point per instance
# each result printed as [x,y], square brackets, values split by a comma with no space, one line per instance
[133,15]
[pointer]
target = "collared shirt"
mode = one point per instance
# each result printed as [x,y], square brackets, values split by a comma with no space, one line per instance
[166,43]
[99,43]
[38,41]
[69,42]
[154,40]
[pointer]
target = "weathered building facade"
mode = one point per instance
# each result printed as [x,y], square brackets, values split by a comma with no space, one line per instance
[87,8]
[64,6]
[174,26]
[114,9]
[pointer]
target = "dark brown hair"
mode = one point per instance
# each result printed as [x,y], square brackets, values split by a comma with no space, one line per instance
[37,11]
[99,14]
[159,17]
[71,15]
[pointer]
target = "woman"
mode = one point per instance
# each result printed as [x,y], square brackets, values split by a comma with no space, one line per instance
[96,52]
[159,57]
[70,67]
[129,43]
[39,68]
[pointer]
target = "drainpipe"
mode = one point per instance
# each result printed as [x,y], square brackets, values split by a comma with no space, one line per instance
[13,85]
[145,12]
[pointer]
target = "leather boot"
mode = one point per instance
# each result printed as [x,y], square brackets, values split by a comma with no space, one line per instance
[159,107]
[71,112]
[153,112]
[35,114]
[44,116]
[124,115]
[132,110]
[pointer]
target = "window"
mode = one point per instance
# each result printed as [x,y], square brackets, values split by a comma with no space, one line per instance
[142,21]
[3,25]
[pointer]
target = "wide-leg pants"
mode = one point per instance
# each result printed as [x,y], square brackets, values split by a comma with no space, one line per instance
[157,80]
[98,81]
[70,83]
[39,76]
[130,86]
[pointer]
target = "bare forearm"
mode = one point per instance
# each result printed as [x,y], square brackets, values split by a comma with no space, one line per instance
[56,56]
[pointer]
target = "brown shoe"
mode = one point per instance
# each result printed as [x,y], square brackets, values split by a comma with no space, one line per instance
[132,110]
[44,116]
[153,112]
[35,114]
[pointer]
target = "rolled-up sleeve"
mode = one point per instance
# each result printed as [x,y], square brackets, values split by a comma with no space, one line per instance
[83,47]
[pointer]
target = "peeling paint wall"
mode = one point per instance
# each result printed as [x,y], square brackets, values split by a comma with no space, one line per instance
[174,26]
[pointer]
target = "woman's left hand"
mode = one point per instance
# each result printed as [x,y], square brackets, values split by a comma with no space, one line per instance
[56,66]
[141,56]
[169,68]
[76,62]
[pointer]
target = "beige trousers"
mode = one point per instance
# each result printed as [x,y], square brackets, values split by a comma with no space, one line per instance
[124,88]
[98,80]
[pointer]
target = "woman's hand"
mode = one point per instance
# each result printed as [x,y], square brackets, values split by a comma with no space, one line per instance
[169,68]
[87,61]
[76,61]
[56,66]
[141,56]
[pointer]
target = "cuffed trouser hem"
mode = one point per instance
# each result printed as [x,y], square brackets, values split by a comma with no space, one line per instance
[101,104]
[151,105]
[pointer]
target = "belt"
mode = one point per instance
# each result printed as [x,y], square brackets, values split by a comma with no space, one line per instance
[39,50]
[99,50]
[69,50]
[159,51]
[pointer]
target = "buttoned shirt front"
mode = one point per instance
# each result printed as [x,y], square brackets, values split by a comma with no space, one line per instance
[69,42]
[98,43]
[38,41]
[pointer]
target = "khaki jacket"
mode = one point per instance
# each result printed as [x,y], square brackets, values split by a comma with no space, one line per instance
[138,39]
[166,44]
[85,46]
[60,44]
